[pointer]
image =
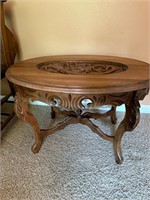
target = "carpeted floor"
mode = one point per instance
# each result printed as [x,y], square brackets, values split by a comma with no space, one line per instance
[74,164]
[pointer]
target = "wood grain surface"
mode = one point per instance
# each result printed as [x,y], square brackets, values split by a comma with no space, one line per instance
[27,74]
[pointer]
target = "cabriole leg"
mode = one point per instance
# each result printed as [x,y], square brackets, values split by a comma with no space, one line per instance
[22,111]
[129,122]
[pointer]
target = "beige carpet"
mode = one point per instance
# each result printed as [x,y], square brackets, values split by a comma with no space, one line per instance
[74,164]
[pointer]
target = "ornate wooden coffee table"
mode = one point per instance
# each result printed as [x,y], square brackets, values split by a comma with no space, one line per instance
[77,84]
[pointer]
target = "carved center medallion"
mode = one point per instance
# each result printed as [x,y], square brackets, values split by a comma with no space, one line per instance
[82,67]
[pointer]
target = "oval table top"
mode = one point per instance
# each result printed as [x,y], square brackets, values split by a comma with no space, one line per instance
[81,74]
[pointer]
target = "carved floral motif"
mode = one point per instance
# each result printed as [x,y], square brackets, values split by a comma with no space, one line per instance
[18,108]
[76,101]
[82,67]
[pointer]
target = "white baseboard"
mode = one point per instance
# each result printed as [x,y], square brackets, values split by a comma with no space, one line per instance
[143,109]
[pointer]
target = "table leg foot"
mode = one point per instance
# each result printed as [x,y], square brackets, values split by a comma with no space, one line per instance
[37,146]
[117,143]
[119,159]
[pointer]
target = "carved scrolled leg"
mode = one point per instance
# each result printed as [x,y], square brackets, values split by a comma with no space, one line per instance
[113,115]
[22,111]
[117,142]
[129,122]
[53,114]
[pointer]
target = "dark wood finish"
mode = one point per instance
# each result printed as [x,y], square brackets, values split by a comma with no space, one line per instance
[8,53]
[79,84]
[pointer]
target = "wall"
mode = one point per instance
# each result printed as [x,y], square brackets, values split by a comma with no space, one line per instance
[110,27]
